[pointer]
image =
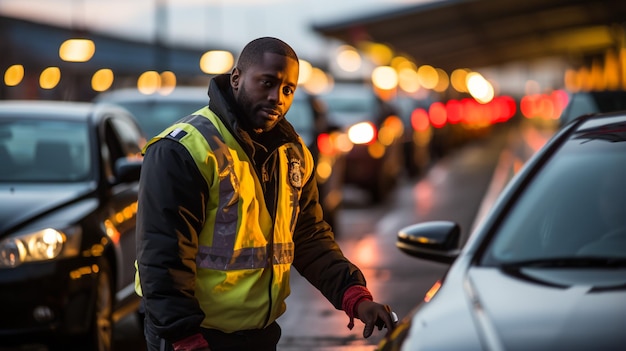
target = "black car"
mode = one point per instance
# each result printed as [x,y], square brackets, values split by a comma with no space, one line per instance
[157,111]
[546,267]
[68,196]
[375,160]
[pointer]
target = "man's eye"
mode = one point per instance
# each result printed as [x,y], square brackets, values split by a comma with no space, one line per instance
[267,83]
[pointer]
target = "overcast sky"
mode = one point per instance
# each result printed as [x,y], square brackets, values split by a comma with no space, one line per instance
[226,23]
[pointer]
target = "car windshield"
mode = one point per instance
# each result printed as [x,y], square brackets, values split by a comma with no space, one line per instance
[43,150]
[154,116]
[575,207]
[300,115]
[348,110]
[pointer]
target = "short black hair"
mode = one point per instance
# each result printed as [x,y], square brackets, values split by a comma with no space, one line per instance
[254,50]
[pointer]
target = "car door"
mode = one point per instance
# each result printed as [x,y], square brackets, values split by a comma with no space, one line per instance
[123,139]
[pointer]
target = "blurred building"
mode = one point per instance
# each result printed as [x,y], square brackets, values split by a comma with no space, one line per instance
[29,48]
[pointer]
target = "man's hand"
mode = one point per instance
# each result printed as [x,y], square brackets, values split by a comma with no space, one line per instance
[375,315]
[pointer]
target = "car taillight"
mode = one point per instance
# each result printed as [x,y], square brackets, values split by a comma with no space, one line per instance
[325,145]
[362,133]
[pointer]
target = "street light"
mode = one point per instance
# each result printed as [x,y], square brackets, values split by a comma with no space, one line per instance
[77,50]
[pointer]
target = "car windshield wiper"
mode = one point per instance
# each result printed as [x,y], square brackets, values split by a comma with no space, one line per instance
[569,262]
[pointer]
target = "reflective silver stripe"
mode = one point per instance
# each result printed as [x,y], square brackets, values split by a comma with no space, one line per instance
[247,258]
[221,255]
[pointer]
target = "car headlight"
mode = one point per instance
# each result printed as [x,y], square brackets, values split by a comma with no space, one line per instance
[42,245]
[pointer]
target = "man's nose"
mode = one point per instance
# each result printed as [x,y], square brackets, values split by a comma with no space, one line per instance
[274,95]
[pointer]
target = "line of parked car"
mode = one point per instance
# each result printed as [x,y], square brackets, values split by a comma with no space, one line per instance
[69,176]
[553,245]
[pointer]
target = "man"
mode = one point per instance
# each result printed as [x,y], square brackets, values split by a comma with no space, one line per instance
[228,202]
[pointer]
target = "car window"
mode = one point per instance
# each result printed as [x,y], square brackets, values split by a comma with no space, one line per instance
[38,150]
[346,110]
[154,116]
[300,115]
[575,201]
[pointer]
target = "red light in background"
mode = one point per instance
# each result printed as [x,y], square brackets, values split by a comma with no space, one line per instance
[455,111]
[438,114]
[419,120]
[544,106]
[324,144]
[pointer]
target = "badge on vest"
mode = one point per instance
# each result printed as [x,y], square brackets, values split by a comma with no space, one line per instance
[295,176]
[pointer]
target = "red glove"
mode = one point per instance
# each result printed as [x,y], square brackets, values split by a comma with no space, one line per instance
[195,342]
[358,303]
[351,298]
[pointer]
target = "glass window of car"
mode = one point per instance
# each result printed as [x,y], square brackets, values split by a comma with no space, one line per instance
[575,206]
[300,115]
[44,150]
[155,115]
[351,109]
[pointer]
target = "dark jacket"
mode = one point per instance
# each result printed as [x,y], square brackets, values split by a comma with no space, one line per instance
[171,209]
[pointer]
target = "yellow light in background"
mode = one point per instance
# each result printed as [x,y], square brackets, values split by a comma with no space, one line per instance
[380,54]
[611,70]
[50,77]
[306,69]
[428,76]
[571,81]
[376,150]
[348,58]
[622,65]
[149,82]
[385,77]
[102,79]
[77,50]
[14,75]
[480,89]
[362,133]
[443,82]
[324,169]
[458,79]
[343,143]
[216,62]
[400,62]
[168,83]
[408,80]
[319,82]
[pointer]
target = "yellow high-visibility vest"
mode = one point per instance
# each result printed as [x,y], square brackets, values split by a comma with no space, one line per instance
[244,256]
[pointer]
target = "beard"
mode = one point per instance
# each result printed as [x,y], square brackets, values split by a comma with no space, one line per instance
[254,116]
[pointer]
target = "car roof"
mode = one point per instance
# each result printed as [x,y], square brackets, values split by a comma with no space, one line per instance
[70,110]
[181,93]
[599,121]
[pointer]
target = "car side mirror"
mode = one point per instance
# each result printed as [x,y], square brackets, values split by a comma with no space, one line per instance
[127,170]
[434,241]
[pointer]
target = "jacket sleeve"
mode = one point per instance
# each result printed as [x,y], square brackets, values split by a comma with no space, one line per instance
[318,257]
[170,215]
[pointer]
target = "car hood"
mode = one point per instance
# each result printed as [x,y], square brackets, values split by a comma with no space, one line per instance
[21,203]
[548,309]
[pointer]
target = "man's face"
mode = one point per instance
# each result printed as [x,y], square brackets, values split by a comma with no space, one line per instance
[264,91]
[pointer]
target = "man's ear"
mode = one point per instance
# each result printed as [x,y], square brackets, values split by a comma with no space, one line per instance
[234,78]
